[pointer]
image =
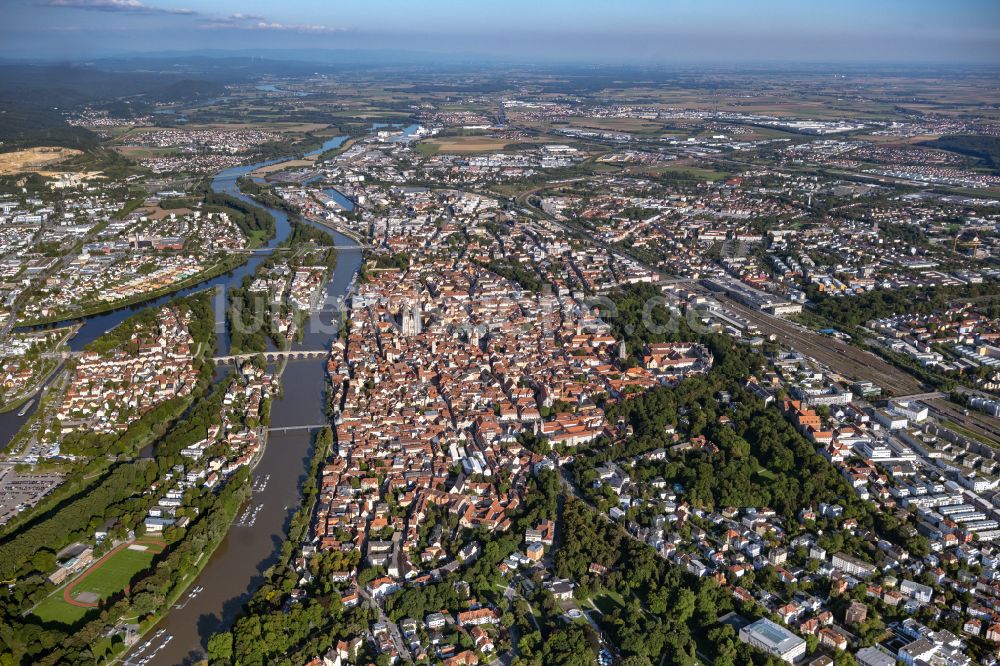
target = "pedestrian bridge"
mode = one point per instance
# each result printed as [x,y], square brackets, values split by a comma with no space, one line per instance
[285,429]
[289,355]
[921,396]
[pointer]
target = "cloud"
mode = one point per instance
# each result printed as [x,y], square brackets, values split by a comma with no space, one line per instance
[254,22]
[291,27]
[123,6]
[237,21]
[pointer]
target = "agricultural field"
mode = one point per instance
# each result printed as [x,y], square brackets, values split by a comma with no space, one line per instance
[281,166]
[461,144]
[634,125]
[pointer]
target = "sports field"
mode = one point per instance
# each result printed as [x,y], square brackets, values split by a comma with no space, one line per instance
[109,575]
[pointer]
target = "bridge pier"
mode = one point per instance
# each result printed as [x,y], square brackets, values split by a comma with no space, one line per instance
[291,355]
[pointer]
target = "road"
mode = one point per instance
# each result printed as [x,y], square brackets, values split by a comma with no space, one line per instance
[64,261]
[857,364]
[41,382]
[57,381]
[841,357]
[394,634]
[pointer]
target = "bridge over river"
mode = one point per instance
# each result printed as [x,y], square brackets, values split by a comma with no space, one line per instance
[278,250]
[236,568]
[281,430]
[290,355]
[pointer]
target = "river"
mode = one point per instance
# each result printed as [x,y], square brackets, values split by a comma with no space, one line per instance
[272,88]
[225,181]
[254,542]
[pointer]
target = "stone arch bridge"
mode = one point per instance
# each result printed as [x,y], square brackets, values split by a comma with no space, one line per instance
[289,355]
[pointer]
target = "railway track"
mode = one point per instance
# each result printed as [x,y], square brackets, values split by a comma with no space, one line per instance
[858,364]
[985,427]
[843,358]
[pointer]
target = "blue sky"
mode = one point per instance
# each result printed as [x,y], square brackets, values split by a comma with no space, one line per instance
[607,31]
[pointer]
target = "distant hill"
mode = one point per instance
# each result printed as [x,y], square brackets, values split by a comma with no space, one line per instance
[984,147]
[188,89]
[34,99]
[26,122]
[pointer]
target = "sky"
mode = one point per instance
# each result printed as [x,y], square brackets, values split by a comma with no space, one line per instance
[584,31]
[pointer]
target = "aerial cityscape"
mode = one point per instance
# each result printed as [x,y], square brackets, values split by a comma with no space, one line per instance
[584,333]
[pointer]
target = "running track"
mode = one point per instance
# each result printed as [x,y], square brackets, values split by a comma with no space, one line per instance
[96,565]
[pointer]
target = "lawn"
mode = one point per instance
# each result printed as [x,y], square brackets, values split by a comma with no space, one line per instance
[109,575]
[607,601]
[114,573]
[767,474]
[54,609]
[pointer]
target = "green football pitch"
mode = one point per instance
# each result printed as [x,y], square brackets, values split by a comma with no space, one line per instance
[109,575]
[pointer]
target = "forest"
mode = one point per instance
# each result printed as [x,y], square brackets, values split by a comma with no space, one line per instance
[983,147]
[253,221]
[270,629]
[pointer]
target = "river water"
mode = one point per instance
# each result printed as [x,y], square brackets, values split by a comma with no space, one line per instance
[270,87]
[225,181]
[254,542]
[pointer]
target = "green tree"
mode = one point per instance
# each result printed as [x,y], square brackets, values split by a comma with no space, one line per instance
[220,647]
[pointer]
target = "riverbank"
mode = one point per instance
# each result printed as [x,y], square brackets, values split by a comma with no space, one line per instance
[217,565]
[80,475]
[236,568]
[231,511]
[45,375]
[19,401]
[183,585]
[342,148]
[220,268]
[342,230]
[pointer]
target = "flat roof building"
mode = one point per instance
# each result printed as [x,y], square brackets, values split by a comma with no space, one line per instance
[871,656]
[773,639]
[852,565]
